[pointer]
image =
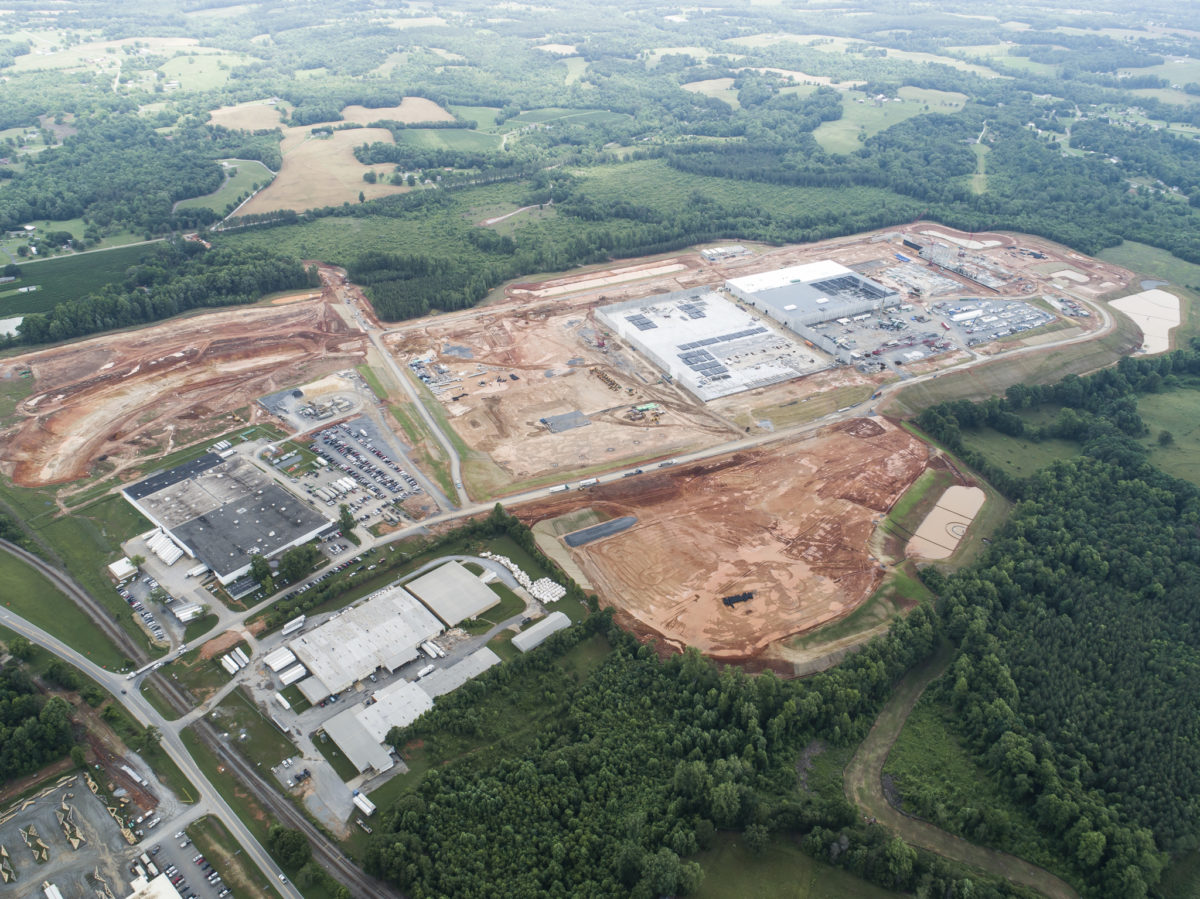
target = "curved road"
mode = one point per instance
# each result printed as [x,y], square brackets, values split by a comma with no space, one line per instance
[863,784]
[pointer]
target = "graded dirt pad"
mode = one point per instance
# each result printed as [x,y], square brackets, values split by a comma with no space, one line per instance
[128,398]
[947,522]
[789,524]
[552,349]
[1156,312]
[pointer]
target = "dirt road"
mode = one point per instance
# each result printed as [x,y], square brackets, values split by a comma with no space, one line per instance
[864,788]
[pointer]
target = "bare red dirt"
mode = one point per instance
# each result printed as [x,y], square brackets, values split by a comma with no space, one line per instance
[129,397]
[790,524]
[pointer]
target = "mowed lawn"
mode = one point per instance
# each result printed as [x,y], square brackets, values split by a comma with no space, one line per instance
[863,115]
[39,602]
[66,278]
[245,174]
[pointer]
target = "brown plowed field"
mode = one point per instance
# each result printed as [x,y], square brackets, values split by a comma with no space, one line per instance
[127,398]
[789,523]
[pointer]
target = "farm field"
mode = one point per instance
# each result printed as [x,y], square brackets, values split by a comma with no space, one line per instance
[860,114]
[203,71]
[789,525]
[247,173]
[443,139]
[323,172]
[258,115]
[719,88]
[829,44]
[65,278]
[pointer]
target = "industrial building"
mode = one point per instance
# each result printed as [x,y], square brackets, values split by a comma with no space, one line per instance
[158,888]
[453,593]
[360,730]
[383,632]
[223,512]
[707,344]
[538,634]
[804,295]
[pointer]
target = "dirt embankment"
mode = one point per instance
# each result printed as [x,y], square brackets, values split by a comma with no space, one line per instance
[126,398]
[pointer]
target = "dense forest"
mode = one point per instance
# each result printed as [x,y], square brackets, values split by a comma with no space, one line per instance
[34,731]
[173,277]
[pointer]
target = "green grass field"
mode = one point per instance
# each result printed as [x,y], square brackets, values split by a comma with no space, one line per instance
[243,802]
[66,278]
[254,734]
[202,72]
[247,173]
[941,783]
[781,871]
[1016,455]
[860,115]
[343,766]
[449,139]
[39,602]
[1178,412]
[1183,277]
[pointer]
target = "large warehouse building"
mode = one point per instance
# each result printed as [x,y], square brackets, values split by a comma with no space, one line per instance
[805,295]
[223,512]
[383,632]
[453,593]
[360,730]
[707,344]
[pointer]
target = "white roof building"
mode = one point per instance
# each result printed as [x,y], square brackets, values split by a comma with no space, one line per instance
[453,593]
[383,632]
[540,632]
[122,568]
[359,731]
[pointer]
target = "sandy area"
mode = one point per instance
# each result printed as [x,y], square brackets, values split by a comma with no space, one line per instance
[617,276]
[294,298]
[1156,312]
[790,524]
[947,522]
[1071,275]
[963,241]
[128,398]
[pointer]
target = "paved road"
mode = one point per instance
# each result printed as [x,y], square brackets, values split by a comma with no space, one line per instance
[210,802]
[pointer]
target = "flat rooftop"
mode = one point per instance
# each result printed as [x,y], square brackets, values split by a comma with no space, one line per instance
[382,632]
[709,345]
[447,680]
[359,731]
[453,593]
[813,292]
[225,511]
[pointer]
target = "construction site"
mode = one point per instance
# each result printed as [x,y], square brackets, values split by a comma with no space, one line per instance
[741,552]
[126,398]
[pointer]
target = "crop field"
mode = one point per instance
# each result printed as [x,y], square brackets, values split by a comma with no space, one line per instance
[719,88]
[203,71]
[254,116]
[323,172]
[81,55]
[66,278]
[829,44]
[1003,56]
[443,139]
[246,173]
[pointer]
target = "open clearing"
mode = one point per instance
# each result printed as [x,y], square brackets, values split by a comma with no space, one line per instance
[260,115]
[789,524]
[1156,312]
[410,111]
[129,397]
[322,171]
